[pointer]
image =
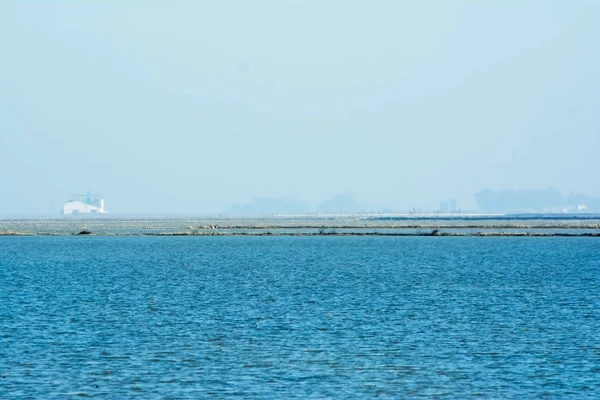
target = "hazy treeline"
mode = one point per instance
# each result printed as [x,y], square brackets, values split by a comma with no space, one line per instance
[342,203]
[534,200]
[547,200]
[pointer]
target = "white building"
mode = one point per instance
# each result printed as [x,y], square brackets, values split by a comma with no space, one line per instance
[86,204]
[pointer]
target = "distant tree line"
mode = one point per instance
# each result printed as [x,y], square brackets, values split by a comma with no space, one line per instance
[534,200]
[342,203]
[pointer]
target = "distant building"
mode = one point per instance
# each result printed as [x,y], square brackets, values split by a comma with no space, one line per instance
[444,207]
[453,207]
[85,204]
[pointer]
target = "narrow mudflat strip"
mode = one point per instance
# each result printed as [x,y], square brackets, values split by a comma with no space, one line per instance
[343,226]
[314,234]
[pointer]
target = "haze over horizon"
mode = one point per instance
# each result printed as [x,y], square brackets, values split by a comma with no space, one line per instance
[189,107]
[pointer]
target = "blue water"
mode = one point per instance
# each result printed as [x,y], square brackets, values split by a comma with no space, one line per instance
[285,317]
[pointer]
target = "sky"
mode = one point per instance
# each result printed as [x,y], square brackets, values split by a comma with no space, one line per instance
[190,106]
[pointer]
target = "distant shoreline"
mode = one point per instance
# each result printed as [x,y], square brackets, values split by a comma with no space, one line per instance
[305,234]
[309,217]
[298,226]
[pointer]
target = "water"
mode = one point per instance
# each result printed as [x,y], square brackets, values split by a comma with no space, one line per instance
[298,317]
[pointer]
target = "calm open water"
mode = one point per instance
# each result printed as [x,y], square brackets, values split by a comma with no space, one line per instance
[284,317]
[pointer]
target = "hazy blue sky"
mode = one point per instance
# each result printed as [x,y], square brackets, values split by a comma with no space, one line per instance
[189,106]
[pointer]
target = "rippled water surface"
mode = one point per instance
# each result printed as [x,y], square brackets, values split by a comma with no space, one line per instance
[283,317]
